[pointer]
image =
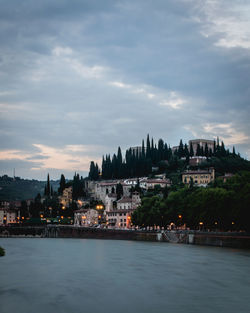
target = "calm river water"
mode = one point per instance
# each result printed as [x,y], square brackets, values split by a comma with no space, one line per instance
[92,276]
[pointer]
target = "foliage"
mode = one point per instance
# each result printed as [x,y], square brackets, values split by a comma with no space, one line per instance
[94,171]
[19,189]
[139,163]
[223,205]
[2,251]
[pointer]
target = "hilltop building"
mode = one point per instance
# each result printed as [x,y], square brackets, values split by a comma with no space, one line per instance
[199,177]
[202,143]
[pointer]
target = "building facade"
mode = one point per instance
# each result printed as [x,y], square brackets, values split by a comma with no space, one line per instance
[66,198]
[202,143]
[9,216]
[151,183]
[86,218]
[199,177]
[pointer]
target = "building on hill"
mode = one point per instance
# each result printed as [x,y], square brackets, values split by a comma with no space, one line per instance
[66,198]
[174,148]
[109,201]
[199,177]
[9,216]
[226,176]
[103,188]
[150,183]
[86,217]
[119,218]
[127,203]
[202,143]
[197,160]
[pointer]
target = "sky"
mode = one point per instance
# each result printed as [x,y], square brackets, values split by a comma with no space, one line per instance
[78,78]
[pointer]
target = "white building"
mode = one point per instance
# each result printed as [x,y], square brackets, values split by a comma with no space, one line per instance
[151,183]
[127,203]
[109,201]
[119,218]
[9,216]
[86,218]
[104,188]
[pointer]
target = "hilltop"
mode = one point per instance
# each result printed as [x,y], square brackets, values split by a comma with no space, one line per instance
[20,189]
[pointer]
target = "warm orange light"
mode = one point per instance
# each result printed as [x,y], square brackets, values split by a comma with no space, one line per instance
[22,217]
[41,215]
[61,217]
[233,223]
[63,207]
[129,217]
[201,223]
[18,217]
[5,218]
[84,217]
[215,223]
[180,216]
[99,216]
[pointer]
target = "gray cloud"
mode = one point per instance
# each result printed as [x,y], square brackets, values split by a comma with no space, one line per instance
[89,73]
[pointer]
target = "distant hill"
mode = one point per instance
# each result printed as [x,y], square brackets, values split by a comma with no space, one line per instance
[21,189]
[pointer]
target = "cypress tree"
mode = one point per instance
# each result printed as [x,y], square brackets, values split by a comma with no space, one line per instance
[206,153]
[143,149]
[180,149]
[148,148]
[62,184]
[191,152]
[48,186]
[234,151]
[214,152]
[198,151]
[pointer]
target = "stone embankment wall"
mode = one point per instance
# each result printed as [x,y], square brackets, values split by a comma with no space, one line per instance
[219,239]
[76,232]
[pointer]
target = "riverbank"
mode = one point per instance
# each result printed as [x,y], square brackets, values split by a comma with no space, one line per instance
[220,239]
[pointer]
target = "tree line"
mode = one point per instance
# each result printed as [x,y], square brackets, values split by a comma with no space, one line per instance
[222,205]
[139,162]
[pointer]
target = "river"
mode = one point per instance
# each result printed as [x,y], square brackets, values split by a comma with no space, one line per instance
[92,276]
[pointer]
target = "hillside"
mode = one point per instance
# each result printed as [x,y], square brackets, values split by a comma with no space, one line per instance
[20,189]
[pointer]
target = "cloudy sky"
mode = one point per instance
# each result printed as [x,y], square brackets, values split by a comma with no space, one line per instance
[78,78]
